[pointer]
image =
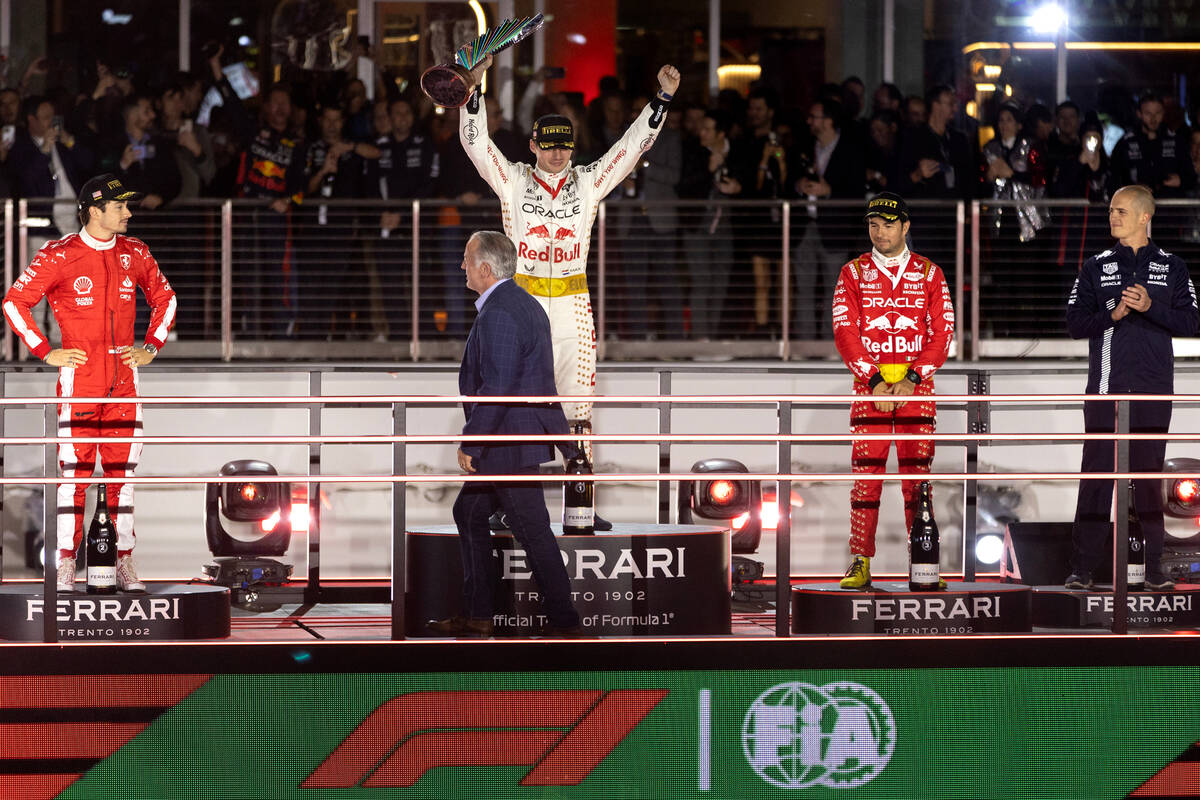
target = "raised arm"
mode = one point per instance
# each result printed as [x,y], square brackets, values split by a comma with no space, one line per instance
[607,172]
[494,168]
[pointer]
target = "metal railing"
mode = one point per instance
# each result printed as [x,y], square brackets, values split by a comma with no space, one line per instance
[399,476]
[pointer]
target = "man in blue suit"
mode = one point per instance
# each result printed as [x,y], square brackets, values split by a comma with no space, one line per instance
[508,353]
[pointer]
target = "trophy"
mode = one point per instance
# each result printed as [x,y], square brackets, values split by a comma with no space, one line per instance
[450,85]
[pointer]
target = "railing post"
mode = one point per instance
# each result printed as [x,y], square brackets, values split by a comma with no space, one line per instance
[977,423]
[960,233]
[227,281]
[22,232]
[312,590]
[414,347]
[399,522]
[783,531]
[664,448]
[10,350]
[975,280]
[1120,619]
[601,278]
[785,284]
[50,529]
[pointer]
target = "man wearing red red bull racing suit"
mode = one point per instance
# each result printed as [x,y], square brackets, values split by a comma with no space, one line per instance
[893,323]
[90,279]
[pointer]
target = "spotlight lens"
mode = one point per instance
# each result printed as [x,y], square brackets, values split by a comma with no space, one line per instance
[722,492]
[1187,491]
[249,492]
[989,549]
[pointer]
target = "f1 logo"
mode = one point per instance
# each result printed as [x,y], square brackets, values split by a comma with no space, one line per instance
[562,734]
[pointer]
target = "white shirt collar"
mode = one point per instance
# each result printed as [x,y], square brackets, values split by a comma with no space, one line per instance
[97,244]
[892,267]
[479,301]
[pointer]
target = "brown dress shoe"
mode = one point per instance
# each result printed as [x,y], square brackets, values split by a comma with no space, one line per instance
[462,626]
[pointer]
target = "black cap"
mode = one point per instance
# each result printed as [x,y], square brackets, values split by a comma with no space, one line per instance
[103,188]
[888,205]
[554,130]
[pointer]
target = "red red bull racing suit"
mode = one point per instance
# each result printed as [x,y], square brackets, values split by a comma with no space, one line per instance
[890,316]
[549,219]
[90,285]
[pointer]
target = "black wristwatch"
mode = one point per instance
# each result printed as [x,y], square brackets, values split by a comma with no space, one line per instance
[913,376]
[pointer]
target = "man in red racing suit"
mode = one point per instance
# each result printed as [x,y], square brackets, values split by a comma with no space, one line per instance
[893,323]
[90,279]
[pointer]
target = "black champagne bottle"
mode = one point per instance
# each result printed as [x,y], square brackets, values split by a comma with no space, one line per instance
[923,550]
[579,495]
[102,548]
[1135,568]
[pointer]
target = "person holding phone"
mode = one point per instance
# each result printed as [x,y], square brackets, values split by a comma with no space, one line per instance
[46,165]
[143,160]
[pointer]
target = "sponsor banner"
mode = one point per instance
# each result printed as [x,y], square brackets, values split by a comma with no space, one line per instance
[674,582]
[1055,607]
[890,608]
[799,733]
[163,612]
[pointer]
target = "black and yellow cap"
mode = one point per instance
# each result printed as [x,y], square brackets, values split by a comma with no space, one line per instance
[889,206]
[103,188]
[554,130]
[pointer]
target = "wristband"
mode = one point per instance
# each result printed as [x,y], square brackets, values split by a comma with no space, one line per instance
[914,376]
[666,95]
[875,380]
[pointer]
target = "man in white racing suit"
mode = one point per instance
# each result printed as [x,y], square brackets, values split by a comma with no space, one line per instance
[548,212]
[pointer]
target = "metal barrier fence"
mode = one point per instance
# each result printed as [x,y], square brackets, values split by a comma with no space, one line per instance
[975,402]
[366,279]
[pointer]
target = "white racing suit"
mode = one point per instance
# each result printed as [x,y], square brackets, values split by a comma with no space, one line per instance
[549,219]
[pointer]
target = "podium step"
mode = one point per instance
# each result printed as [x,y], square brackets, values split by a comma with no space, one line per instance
[888,607]
[1056,607]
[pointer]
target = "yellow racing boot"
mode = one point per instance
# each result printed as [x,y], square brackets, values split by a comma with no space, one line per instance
[858,576]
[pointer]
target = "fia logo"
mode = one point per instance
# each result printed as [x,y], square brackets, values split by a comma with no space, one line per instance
[840,735]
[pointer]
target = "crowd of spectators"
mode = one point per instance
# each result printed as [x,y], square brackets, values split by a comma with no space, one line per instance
[680,263]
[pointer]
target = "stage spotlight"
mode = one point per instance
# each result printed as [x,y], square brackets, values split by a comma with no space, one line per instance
[246,521]
[1182,495]
[989,549]
[1049,18]
[739,502]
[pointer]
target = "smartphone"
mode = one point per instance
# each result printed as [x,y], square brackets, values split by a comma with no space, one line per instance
[57,123]
[556,72]
[8,134]
[1091,142]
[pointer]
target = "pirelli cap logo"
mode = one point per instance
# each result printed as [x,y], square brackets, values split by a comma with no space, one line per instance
[889,206]
[552,129]
[562,735]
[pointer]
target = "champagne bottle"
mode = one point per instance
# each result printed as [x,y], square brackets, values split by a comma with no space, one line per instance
[579,499]
[102,548]
[1135,568]
[923,551]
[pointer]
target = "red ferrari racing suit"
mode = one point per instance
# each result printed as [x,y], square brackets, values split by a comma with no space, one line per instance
[890,315]
[549,219]
[90,285]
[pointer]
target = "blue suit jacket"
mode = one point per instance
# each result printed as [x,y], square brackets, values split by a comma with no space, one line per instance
[509,352]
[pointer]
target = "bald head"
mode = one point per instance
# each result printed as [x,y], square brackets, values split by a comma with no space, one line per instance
[1140,197]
